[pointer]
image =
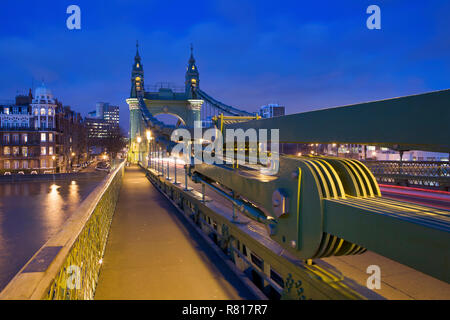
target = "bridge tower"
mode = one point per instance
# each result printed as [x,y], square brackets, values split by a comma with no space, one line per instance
[137,91]
[192,81]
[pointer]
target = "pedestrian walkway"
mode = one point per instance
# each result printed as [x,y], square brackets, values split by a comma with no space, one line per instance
[152,254]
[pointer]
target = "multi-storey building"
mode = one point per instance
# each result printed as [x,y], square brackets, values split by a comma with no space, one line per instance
[33,134]
[100,124]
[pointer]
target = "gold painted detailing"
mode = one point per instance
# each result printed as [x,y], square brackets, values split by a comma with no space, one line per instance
[221,120]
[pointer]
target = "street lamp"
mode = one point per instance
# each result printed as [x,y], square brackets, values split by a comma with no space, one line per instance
[139,140]
[149,138]
[53,158]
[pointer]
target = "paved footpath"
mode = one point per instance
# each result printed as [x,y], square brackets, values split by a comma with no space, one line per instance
[152,254]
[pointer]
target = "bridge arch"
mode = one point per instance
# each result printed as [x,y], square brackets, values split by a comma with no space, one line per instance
[185,110]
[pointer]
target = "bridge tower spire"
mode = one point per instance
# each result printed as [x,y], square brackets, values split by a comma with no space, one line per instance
[137,91]
[137,76]
[192,81]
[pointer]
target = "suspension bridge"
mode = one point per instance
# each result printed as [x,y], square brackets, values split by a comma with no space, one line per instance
[188,230]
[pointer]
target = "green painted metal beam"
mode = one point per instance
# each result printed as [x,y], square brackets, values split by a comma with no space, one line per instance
[418,239]
[417,122]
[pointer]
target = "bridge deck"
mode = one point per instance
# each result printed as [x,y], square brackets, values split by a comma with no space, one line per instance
[151,254]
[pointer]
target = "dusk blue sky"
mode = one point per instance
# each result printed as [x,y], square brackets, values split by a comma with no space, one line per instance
[302,54]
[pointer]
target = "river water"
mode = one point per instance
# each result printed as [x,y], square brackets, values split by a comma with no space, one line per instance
[31,212]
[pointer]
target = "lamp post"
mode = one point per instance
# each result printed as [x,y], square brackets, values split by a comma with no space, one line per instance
[149,138]
[139,140]
[53,164]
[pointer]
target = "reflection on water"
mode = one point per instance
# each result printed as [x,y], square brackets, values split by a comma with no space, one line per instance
[30,213]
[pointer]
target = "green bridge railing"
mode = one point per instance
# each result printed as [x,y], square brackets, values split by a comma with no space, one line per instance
[68,264]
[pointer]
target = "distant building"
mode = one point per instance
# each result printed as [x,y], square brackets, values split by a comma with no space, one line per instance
[105,111]
[111,115]
[33,131]
[97,128]
[100,124]
[271,110]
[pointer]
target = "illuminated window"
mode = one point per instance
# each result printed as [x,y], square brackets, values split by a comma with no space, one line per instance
[42,112]
[50,137]
[193,67]
[25,138]
[194,82]
[50,150]
[6,110]
[25,151]
[137,65]
[43,151]
[6,151]
[138,79]
[43,137]
[7,164]
[16,151]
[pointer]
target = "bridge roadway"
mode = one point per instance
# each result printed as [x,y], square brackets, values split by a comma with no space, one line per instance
[152,254]
[397,280]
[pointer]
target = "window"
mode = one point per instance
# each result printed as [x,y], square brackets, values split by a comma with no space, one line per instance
[7,164]
[16,164]
[50,137]
[43,151]
[35,112]
[15,138]
[25,138]
[42,111]
[49,112]
[43,137]
[50,150]
[6,110]
[25,164]
[6,151]
[6,138]
[15,151]
[25,151]
[43,163]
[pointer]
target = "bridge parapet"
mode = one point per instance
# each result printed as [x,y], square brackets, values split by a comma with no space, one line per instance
[67,265]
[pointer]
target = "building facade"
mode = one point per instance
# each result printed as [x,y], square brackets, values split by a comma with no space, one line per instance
[33,134]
